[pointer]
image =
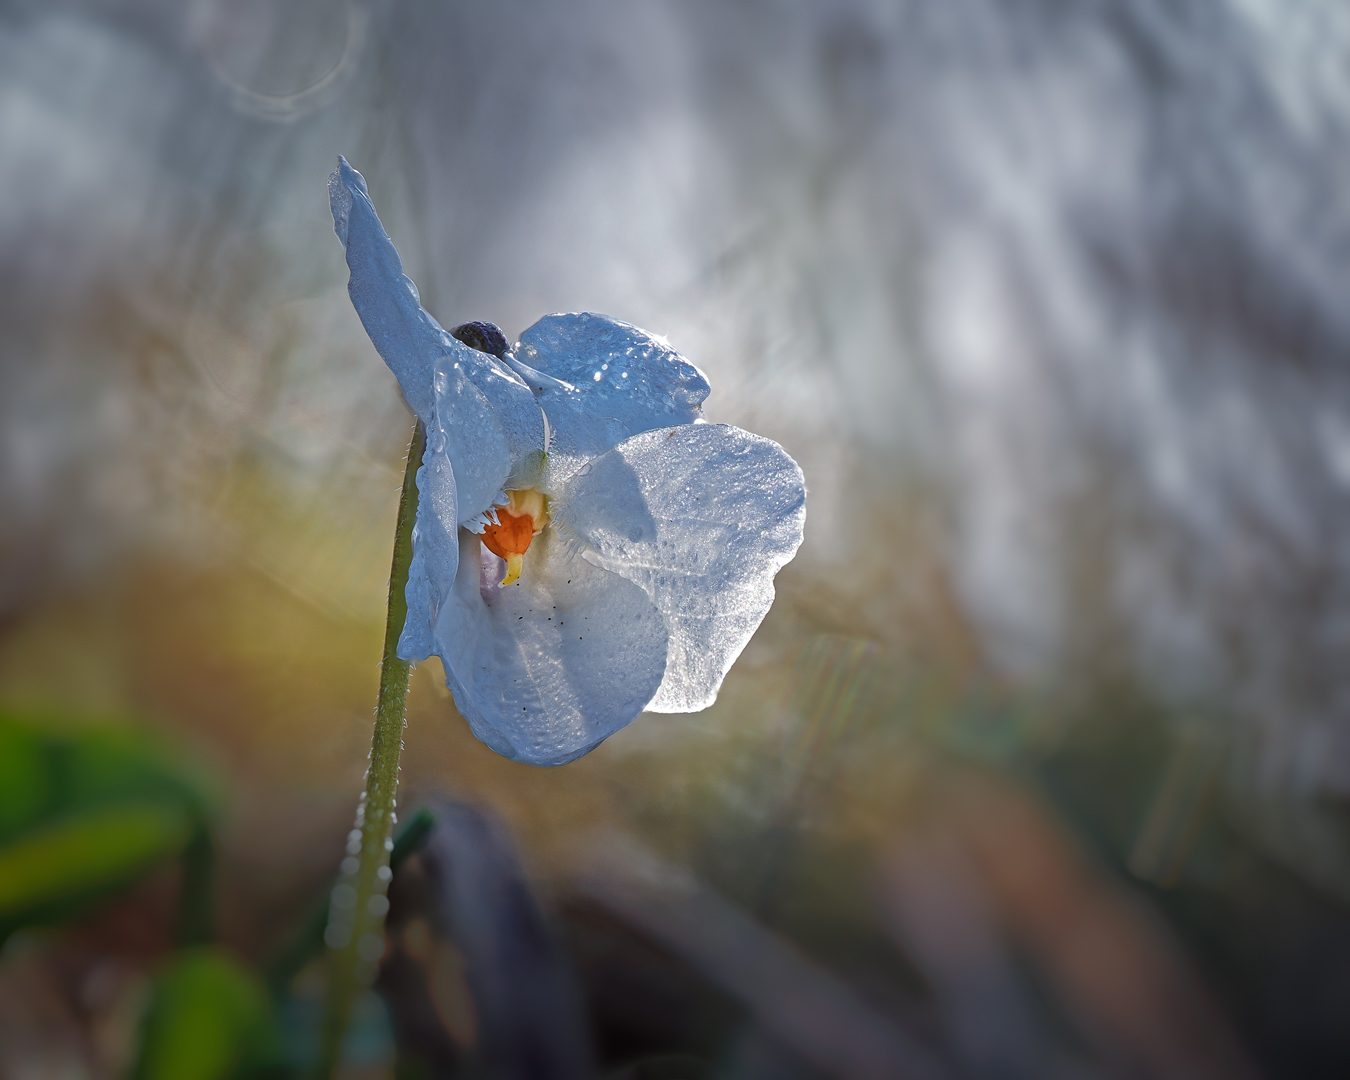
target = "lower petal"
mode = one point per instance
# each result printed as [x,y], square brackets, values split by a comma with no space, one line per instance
[701,517]
[550,666]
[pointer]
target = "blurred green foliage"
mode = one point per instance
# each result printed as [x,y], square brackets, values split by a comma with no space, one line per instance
[85,850]
[85,813]
[209,1019]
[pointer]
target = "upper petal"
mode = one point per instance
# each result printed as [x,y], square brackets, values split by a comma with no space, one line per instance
[702,517]
[600,381]
[547,668]
[476,409]
[407,337]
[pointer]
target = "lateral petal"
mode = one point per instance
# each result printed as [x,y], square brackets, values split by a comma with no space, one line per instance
[492,427]
[701,517]
[431,577]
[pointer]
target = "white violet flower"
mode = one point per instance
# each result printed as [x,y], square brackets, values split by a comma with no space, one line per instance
[586,545]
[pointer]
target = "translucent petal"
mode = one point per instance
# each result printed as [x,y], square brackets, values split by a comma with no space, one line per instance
[408,338]
[485,435]
[476,409]
[702,517]
[546,669]
[601,381]
[493,429]
[431,578]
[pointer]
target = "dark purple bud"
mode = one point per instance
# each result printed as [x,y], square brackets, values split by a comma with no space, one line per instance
[483,336]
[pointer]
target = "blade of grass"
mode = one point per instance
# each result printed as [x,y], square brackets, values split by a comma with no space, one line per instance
[309,941]
[355,930]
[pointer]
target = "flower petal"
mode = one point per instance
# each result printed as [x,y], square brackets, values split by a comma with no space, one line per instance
[406,336]
[476,409]
[491,426]
[601,381]
[431,577]
[702,517]
[546,669]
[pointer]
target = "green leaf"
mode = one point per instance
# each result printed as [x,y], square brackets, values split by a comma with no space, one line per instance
[85,810]
[51,764]
[209,1019]
[86,851]
[25,777]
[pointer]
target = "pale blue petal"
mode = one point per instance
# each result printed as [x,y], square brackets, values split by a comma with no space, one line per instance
[485,433]
[431,578]
[492,427]
[547,668]
[477,411]
[601,381]
[701,517]
[408,338]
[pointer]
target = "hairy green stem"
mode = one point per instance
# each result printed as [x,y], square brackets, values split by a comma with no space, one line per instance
[355,931]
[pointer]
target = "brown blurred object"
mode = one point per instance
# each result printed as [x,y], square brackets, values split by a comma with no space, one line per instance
[40,1033]
[987,870]
[71,1001]
[802,1005]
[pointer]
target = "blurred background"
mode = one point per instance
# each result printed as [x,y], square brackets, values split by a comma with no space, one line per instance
[1040,764]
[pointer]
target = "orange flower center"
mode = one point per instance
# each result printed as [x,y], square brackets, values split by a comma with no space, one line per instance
[518,523]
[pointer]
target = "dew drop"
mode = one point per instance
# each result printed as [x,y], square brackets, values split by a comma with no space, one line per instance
[370,947]
[344,897]
[336,937]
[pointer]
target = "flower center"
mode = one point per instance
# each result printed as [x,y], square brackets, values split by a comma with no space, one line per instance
[519,521]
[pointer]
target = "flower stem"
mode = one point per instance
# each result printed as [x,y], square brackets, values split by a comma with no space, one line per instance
[355,932]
